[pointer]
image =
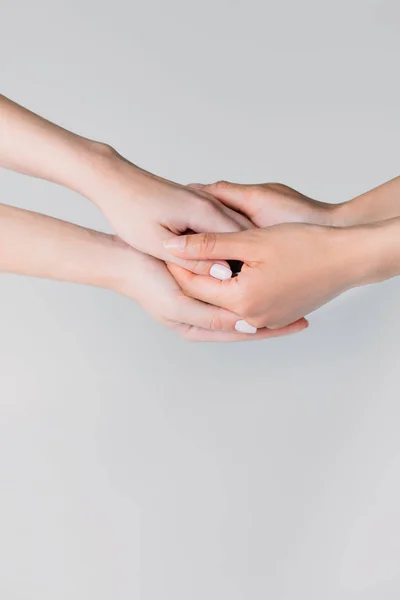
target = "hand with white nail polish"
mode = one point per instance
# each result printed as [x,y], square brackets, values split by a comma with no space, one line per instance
[143,209]
[89,257]
[288,270]
[245,327]
[148,281]
[220,272]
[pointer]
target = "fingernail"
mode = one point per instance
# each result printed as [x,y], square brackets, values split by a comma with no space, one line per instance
[220,272]
[177,243]
[245,327]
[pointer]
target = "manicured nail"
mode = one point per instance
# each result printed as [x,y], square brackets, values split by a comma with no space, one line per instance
[220,272]
[176,243]
[245,327]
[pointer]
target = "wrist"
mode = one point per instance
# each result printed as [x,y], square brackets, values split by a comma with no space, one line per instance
[376,205]
[119,263]
[93,167]
[106,176]
[370,253]
[346,214]
[382,242]
[97,259]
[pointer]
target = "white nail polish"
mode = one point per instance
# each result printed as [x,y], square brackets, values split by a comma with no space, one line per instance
[244,327]
[220,272]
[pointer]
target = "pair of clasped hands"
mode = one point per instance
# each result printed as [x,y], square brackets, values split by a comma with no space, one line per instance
[172,243]
[293,259]
[187,283]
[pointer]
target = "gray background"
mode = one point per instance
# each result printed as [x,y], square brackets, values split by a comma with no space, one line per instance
[134,465]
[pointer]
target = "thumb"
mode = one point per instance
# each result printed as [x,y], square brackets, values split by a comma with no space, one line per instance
[234,195]
[209,245]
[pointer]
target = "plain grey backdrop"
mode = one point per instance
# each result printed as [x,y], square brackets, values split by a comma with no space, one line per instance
[132,464]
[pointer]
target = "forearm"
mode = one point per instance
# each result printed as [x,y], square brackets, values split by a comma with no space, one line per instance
[378,204]
[40,246]
[369,253]
[32,145]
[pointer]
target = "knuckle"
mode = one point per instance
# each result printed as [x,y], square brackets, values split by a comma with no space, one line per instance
[216,322]
[208,241]
[260,322]
[255,193]
[199,267]
[221,184]
[275,186]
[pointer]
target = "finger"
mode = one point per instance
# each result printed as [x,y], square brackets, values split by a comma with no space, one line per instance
[196,334]
[223,294]
[234,195]
[205,316]
[219,269]
[214,216]
[210,245]
[243,221]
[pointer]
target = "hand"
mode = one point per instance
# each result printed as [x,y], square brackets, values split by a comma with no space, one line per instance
[40,246]
[271,203]
[147,281]
[289,269]
[144,209]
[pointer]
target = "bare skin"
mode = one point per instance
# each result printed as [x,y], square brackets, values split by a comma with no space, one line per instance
[269,204]
[292,266]
[40,246]
[143,209]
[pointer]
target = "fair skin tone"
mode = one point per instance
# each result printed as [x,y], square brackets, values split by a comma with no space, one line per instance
[40,246]
[291,264]
[273,203]
[143,209]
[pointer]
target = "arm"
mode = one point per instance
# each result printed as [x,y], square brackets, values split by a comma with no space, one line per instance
[289,269]
[383,202]
[143,209]
[40,246]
